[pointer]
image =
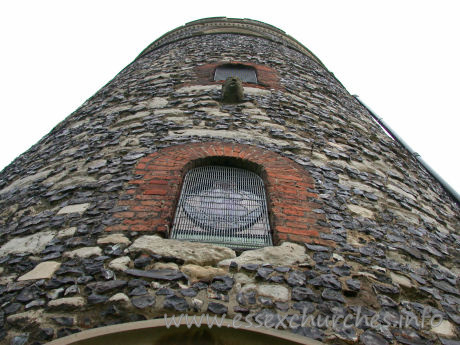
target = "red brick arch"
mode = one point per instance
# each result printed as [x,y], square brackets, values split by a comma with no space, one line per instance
[154,194]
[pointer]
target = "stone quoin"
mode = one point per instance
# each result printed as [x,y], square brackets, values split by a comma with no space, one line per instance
[359,227]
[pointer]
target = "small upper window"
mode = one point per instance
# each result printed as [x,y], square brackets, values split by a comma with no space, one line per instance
[223,205]
[246,74]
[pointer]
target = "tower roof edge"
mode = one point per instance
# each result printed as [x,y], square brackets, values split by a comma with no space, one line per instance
[219,25]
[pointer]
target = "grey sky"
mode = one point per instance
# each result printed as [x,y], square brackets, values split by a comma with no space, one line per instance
[401,57]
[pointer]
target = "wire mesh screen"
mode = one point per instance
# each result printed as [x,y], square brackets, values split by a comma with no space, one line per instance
[223,205]
[244,73]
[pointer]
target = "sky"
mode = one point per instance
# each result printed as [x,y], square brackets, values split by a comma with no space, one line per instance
[401,57]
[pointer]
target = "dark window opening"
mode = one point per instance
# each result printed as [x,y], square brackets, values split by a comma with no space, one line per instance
[223,205]
[245,73]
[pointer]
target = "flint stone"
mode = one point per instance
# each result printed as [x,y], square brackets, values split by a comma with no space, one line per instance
[370,338]
[304,307]
[269,318]
[56,293]
[84,279]
[107,274]
[43,270]
[45,333]
[137,282]
[446,287]
[12,308]
[34,244]
[343,270]
[386,301]
[142,261]
[96,299]
[386,289]
[175,303]
[452,316]
[310,332]
[79,208]
[217,308]
[67,302]
[353,285]
[63,332]
[102,287]
[408,336]
[27,294]
[282,306]
[142,302]
[317,248]
[348,335]
[287,254]
[296,278]
[247,267]
[84,252]
[190,252]
[282,269]
[168,275]
[138,291]
[432,291]
[264,272]
[326,280]
[233,267]
[276,292]
[19,339]
[80,241]
[303,293]
[188,292]
[37,303]
[165,291]
[199,273]
[265,301]
[114,239]
[71,290]
[278,279]
[333,295]
[222,283]
[64,320]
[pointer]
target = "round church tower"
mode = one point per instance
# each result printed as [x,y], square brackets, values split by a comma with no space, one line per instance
[226,172]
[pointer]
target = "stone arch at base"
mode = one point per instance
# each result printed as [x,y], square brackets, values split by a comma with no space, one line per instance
[150,201]
[155,332]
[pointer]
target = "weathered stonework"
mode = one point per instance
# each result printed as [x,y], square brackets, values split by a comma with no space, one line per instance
[357,222]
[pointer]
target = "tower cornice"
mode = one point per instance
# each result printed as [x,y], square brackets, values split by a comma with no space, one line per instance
[221,25]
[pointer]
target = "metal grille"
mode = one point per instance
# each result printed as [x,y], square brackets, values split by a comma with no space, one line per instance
[223,205]
[244,73]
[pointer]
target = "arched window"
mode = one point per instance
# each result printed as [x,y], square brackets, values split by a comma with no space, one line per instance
[246,74]
[223,205]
